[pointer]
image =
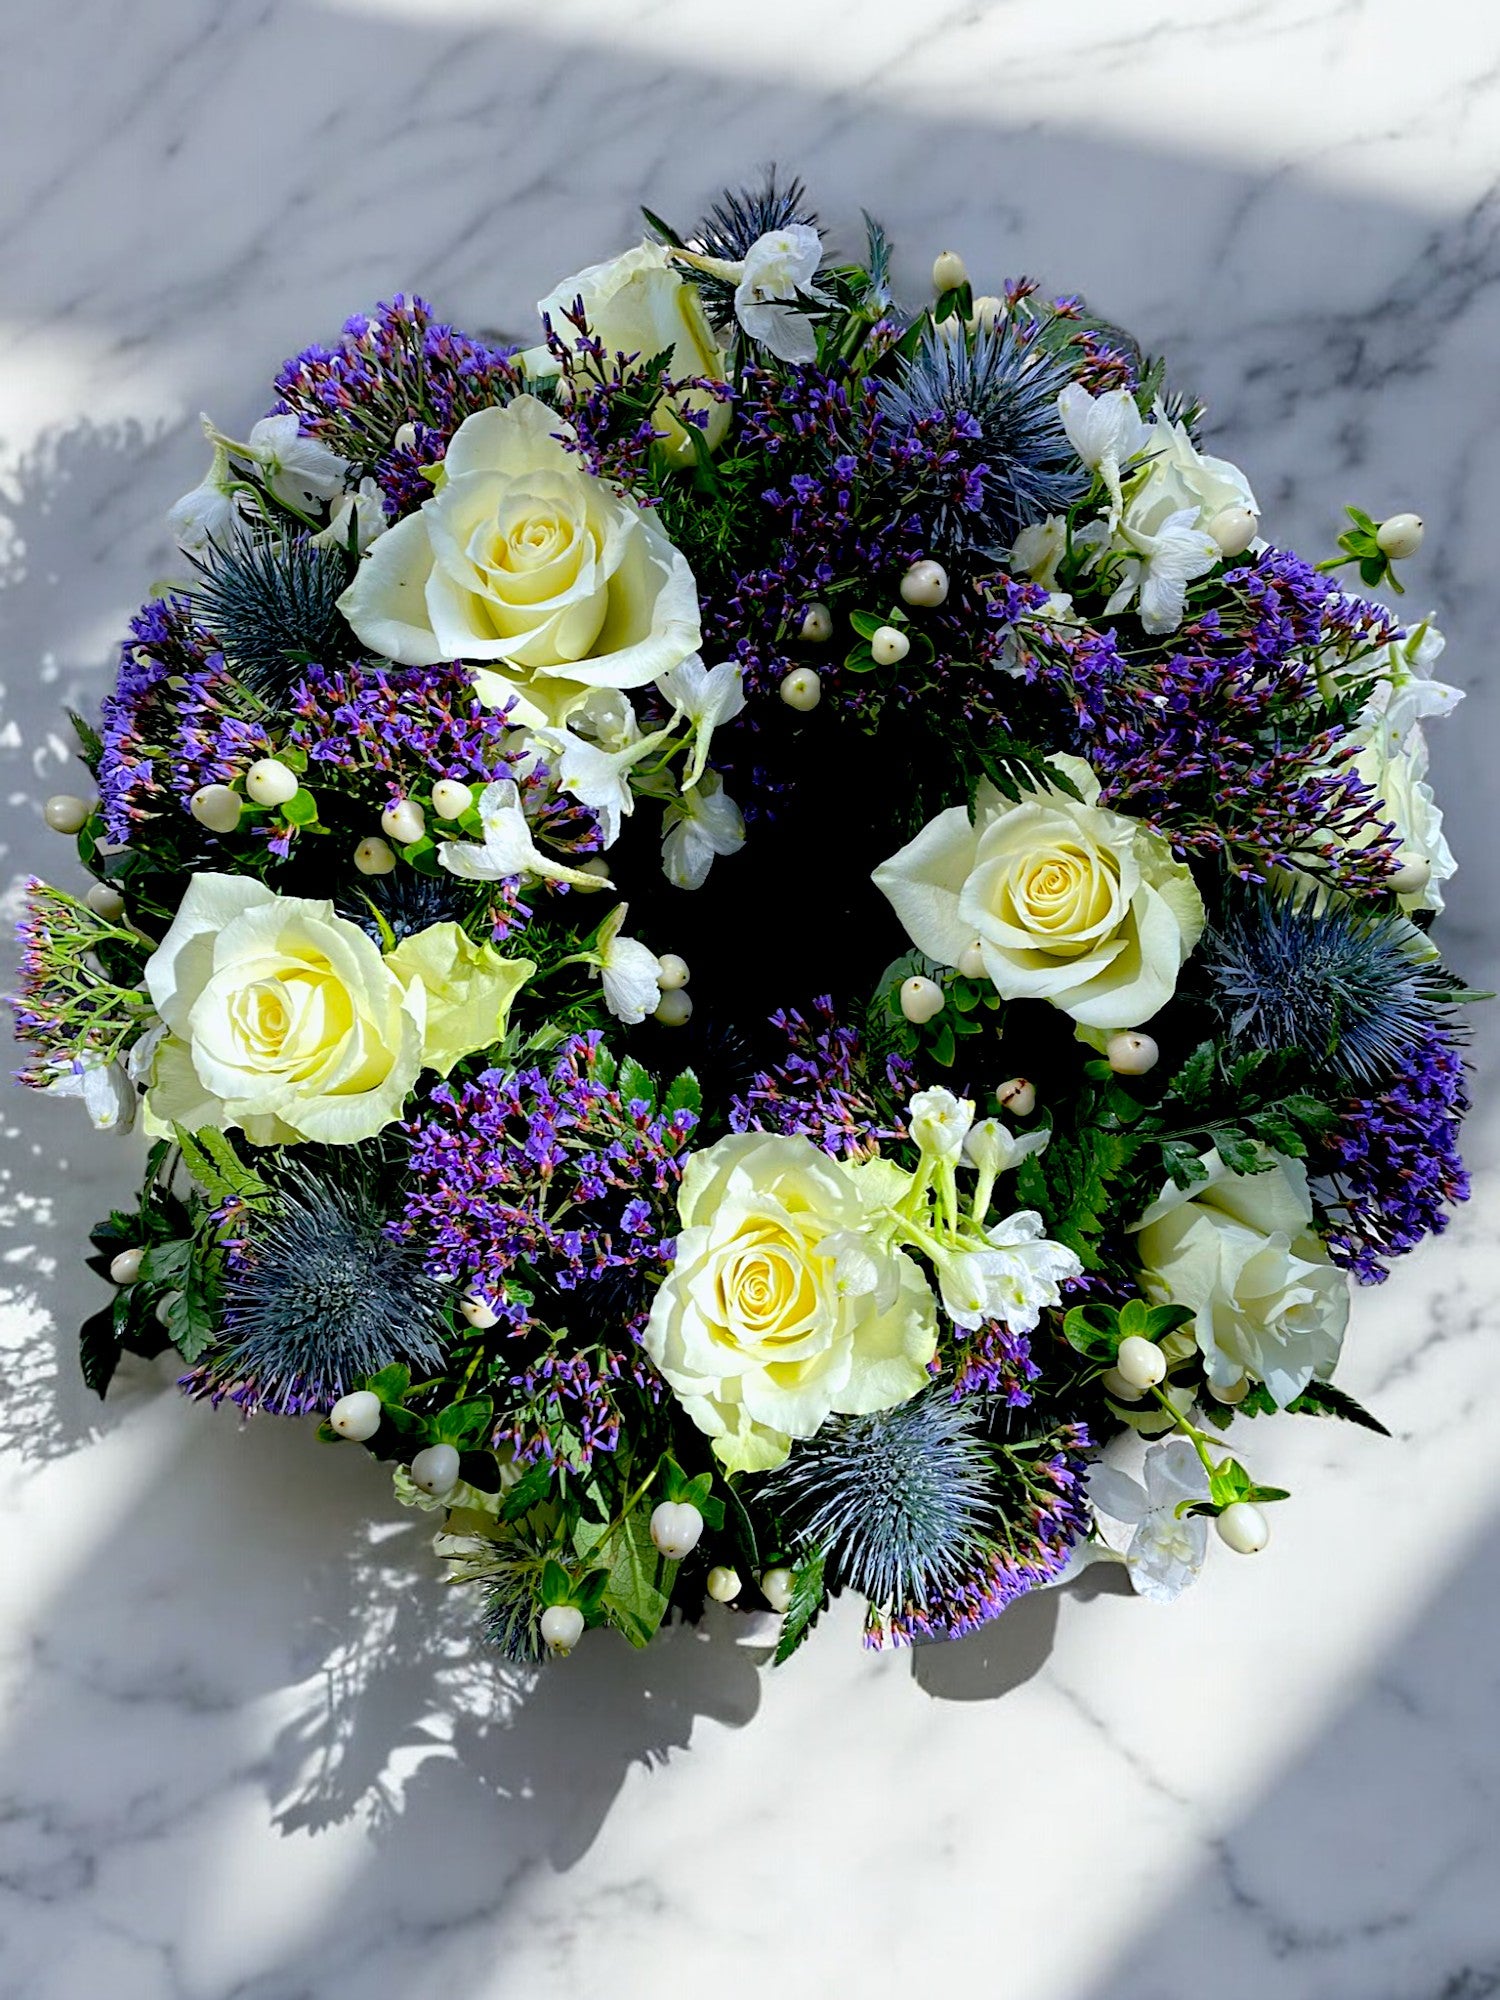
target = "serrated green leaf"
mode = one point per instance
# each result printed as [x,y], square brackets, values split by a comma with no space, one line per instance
[685,1093]
[391,1384]
[1326,1399]
[1183,1163]
[635,1084]
[464,1423]
[633,1601]
[807,1601]
[1238,1153]
[99,1346]
[1193,1083]
[534,1486]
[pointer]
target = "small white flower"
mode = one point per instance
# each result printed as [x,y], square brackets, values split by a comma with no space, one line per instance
[104,1089]
[1164,564]
[939,1122]
[776,268]
[1406,694]
[1011,1280]
[705,697]
[630,971]
[508,849]
[363,510]
[1038,550]
[994,1149]
[206,517]
[1166,1551]
[299,471]
[1106,432]
[595,769]
[703,823]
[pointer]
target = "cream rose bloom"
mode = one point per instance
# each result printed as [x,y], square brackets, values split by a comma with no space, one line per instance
[282,1018]
[1068,902]
[784,1305]
[639,303]
[1396,772]
[1241,1254]
[547,580]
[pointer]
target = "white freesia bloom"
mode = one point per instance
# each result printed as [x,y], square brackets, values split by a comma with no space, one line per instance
[630,971]
[206,518]
[994,1149]
[939,1122]
[508,848]
[1179,476]
[595,768]
[705,697]
[299,470]
[768,1322]
[1106,431]
[1167,1550]
[283,1019]
[104,1089]
[1407,694]
[1240,1252]
[703,823]
[1162,563]
[640,304]
[776,268]
[1011,1278]
[361,513]
[1069,902]
[545,579]
[1038,550]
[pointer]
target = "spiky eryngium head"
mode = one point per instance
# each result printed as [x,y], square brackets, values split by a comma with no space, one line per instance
[999,390]
[1350,990]
[272,604]
[391,907]
[320,1296]
[902,1502]
[740,217]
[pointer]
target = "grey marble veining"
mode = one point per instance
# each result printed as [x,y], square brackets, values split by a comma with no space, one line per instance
[247,1748]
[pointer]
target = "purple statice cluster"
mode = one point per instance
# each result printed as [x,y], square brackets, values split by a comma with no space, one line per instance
[1393,1159]
[1047,1512]
[387,722]
[994,1361]
[1226,745]
[820,1089]
[219,731]
[166,650]
[827,515]
[392,392]
[1102,359]
[550,1197]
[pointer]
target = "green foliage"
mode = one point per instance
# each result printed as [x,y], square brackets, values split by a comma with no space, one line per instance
[936,1041]
[632,1596]
[809,1596]
[1072,1182]
[217,1168]
[1318,1399]
[1096,1330]
[1016,770]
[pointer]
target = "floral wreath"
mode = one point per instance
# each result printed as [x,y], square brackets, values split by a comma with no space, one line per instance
[765,945]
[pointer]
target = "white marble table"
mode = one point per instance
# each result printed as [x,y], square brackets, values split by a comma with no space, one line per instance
[246,1748]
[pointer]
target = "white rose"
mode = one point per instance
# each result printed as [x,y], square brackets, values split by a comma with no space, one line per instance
[639,303]
[522,558]
[282,1017]
[1178,476]
[783,1305]
[1397,774]
[1069,902]
[1240,1252]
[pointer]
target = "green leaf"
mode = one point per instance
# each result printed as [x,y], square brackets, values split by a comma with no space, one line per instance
[808,1599]
[635,1083]
[463,1424]
[534,1486]
[216,1167]
[867,623]
[1093,1331]
[1229,1482]
[1326,1399]
[744,1527]
[685,1093]
[391,1385]
[99,1346]
[1193,1083]
[555,1585]
[1238,1153]
[301,809]
[1182,1162]
[632,1599]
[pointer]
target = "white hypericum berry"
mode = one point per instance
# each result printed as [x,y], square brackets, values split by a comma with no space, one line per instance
[949,271]
[374,856]
[1131,1054]
[675,1528]
[1234,529]
[451,799]
[356,1416]
[817,624]
[435,1469]
[217,808]
[1140,1362]
[724,1584]
[925,584]
[105,900]
[971,960]
[776,1588]
[1018,1097]
[1114,1384]
[478,1314]
[562,1628]
[405,438]
[1243,1528]
[125,1267]
[672,972]
[1399,536]
[988,311]
[674,1009]
[802,690]
[1412,877]
[404,820]
[921,999]
[66,813]
[271,783]
[888,645]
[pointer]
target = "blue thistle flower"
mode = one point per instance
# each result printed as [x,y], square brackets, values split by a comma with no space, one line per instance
[319,1295]
[737,219]
[904,1503]
[996,393]
[403,902]
[273,606]
[1343,987]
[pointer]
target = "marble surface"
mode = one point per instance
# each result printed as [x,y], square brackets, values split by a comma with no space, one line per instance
[246,1747]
